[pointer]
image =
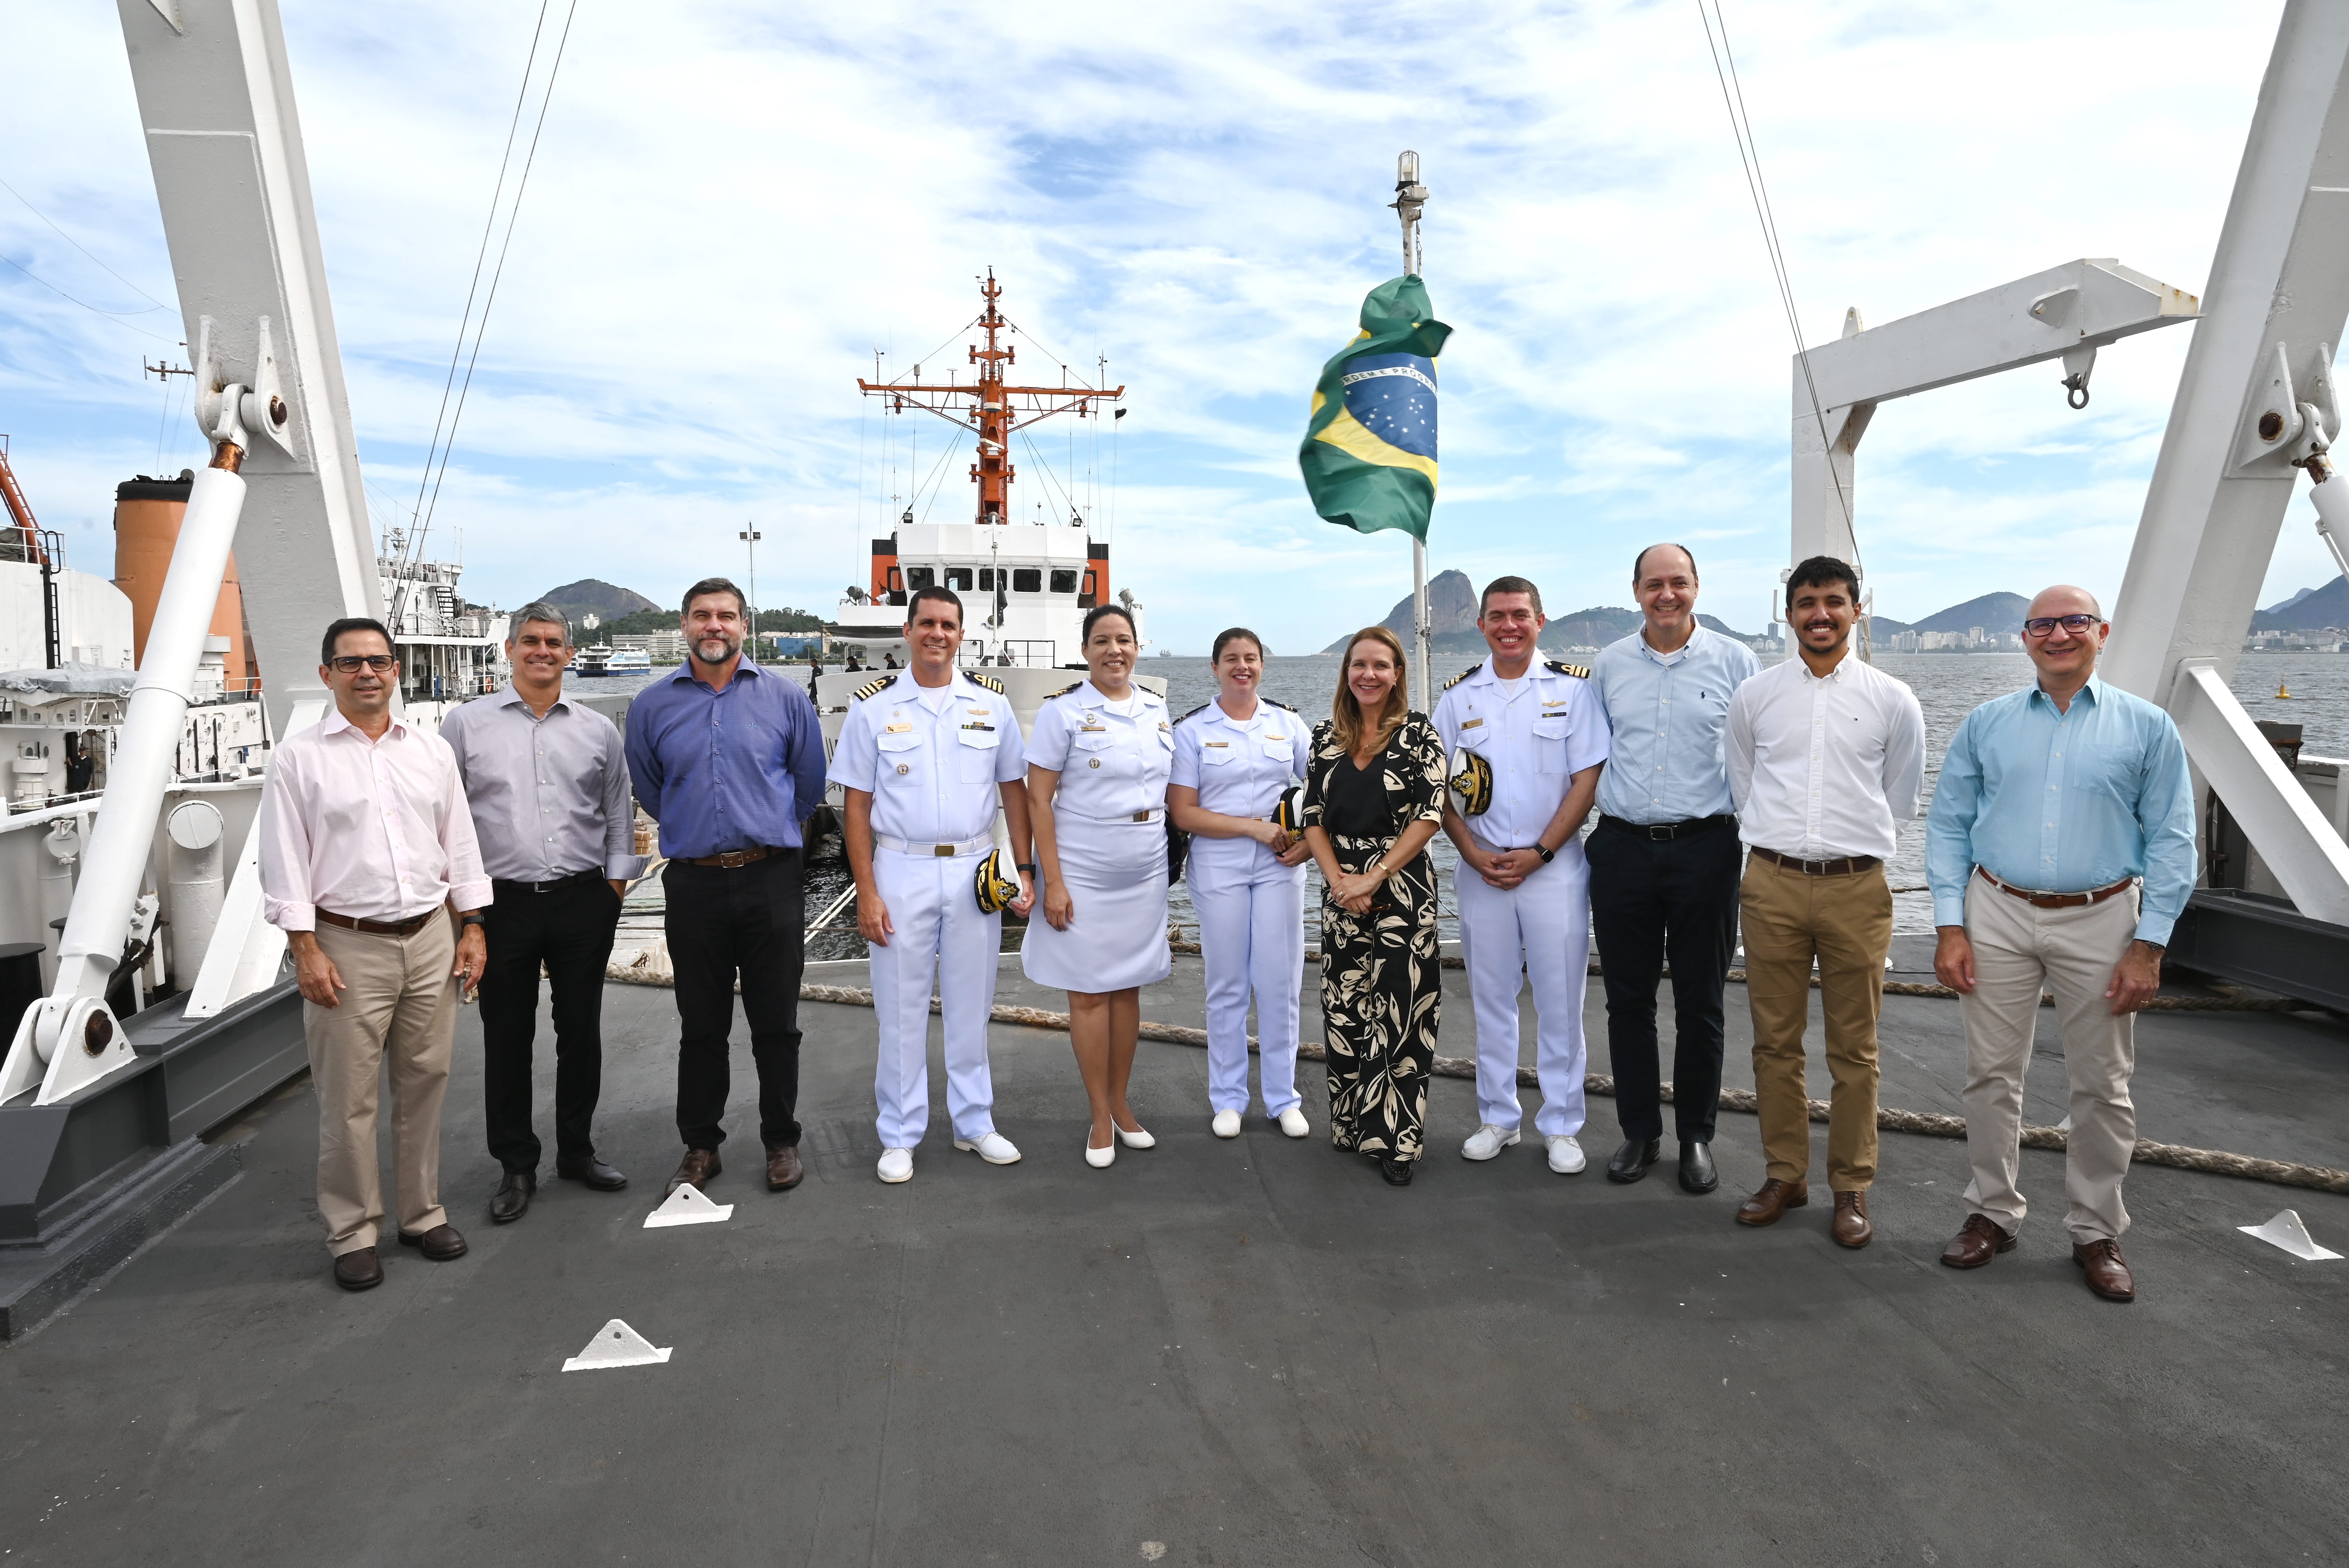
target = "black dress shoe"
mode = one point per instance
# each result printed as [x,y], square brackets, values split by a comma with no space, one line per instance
[1396,1171]
[1697,1174]
[591,1171]
[1631,1161]
[359,1270]
[511,1201]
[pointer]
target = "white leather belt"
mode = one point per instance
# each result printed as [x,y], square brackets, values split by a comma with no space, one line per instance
[966,847]
[1154,815]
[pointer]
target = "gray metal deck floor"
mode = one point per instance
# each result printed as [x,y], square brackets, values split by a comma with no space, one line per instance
[1227,1352]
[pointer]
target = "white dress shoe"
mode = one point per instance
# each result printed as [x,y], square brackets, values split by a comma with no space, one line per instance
[1101,1158]
[1293,1122]
[1486,1141]
[995,1148]
[1226,1124]
[896,1165]
[1138,1139]
[1566,1155]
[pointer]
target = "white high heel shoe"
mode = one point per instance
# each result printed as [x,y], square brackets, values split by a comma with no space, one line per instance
[1139,1139]
[1101,1158]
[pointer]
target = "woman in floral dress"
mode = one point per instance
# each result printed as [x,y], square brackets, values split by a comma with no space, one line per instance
[1373,799]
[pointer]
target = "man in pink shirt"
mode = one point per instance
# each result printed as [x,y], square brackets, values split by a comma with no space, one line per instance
[365,842]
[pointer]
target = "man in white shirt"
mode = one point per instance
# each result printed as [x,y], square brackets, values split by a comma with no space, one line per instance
[365,844]
[1827,759]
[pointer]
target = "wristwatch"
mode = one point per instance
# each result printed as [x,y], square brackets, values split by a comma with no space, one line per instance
[476,918]
[1547,855]
[1023,865]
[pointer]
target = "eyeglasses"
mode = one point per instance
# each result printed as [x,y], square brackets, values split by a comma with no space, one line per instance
[349,663]
[2044,625]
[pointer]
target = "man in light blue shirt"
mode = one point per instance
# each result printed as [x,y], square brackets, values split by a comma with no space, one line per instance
[2060,849]
[1665,860]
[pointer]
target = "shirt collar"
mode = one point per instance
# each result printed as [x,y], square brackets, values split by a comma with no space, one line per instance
[335,721]
[1676,655]
[2094,691]
[511,697]
[743,667]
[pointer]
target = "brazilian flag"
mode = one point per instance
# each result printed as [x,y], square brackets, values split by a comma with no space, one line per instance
[1369,455]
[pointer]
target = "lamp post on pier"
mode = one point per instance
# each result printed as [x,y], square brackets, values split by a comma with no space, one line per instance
[749,537]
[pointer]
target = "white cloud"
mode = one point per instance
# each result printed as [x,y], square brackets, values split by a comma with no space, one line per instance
[733,207]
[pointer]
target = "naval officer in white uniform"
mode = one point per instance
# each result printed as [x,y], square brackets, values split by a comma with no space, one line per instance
[1097,765]
[923,759]
[1523,885]
[1233,759]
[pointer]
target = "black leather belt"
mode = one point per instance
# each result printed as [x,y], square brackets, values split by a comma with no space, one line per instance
[376,927]
[1665,832]
[500,884]
[1843,866]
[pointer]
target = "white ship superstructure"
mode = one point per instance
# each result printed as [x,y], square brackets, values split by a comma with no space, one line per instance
[448,650]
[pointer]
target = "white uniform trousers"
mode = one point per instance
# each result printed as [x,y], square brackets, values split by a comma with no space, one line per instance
[939,933]
[1252,936]
[1541,929]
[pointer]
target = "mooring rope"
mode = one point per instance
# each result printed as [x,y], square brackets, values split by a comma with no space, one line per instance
[2216,1163]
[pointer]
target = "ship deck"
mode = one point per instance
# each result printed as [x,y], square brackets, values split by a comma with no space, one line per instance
[1220,1353]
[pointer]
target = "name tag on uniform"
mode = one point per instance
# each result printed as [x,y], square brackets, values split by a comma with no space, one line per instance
[988,728]
[1092,729]
[1472,724]
[895,728]
[1215,743]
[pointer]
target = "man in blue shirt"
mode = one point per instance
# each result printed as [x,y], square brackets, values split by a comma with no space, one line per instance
[1665,861]
[2060,849]
[728,759]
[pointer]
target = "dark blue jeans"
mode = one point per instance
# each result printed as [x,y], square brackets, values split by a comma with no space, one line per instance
[1649,902]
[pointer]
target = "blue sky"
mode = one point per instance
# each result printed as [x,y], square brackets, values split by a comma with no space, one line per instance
[734,205]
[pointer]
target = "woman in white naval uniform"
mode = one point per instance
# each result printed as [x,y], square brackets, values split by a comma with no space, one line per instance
[1233,759]
[1097,764]
[923,759]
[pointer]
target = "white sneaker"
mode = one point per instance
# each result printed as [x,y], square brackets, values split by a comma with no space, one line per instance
[1293,1122]
[896,1165]
[1566,1155]
[995,1148]
[1226,1124]
[1486,1141]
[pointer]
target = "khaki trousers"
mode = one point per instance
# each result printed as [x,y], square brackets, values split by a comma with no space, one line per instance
[398,1004]
[2018,949]
[1846,922]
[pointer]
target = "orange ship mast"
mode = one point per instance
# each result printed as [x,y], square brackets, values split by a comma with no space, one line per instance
[991,407]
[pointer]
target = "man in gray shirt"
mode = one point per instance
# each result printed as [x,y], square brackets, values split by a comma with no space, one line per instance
[547,781]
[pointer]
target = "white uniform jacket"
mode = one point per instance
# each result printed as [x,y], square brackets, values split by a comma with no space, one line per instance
[930,757]
[1239,770]
[1537,740]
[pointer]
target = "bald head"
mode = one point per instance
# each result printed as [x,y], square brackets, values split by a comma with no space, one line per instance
[2064,600]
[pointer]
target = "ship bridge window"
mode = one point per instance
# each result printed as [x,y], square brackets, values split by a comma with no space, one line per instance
[920,577]
[958,578]
[1027,580]
[1064,579]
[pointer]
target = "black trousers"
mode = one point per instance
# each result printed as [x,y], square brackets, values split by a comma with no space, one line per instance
[569,930]
[749,921]
[1649,900]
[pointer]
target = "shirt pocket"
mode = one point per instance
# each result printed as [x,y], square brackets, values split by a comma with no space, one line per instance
[901,756]
[1550,734]
[1216,756]
[978,751]
[2110,772]
[1100,739]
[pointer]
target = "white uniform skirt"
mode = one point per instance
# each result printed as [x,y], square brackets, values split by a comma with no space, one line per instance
[1116,877]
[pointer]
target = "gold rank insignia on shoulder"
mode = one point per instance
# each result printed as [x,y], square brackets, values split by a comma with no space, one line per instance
[1579,671]
[989,682]
[1275,702]
[1463,675]
[873,688]
[1063,691]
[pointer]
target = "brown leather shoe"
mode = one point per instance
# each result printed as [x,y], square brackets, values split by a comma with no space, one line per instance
[440,1243]
[1976,1244]
[2108,1275]
[693,1170]
[783,1171]
[1776,1197]
[359,1270]
[1851,1227]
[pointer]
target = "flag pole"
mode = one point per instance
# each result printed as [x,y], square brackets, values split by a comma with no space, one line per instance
[1410,197]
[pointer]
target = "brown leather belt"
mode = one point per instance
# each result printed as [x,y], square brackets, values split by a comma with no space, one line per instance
[2057,899]
[1842,868]
[732,858]
[378,928]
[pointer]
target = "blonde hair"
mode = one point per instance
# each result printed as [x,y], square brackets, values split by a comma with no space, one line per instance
[1346,717]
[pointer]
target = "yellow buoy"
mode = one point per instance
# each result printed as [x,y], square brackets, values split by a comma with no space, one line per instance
[2281,694]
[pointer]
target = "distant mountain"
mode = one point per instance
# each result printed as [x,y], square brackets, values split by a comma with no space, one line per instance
[2309,608]
[593,596]
[1991,613]
[1452,605]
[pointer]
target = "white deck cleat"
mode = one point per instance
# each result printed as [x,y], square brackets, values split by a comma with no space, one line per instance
[2286,1230]
[1226,1124]
[616,1345]
[1486,1141]
[689,1205]
[896,1165]
[1565,1156]
[995,1148]
[1293,1122]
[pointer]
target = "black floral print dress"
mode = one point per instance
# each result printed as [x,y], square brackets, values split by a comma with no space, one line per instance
[1382,976]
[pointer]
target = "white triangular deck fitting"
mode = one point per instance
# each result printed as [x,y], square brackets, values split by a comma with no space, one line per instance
[2286,1230]
[689,1205]
[616,1345]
